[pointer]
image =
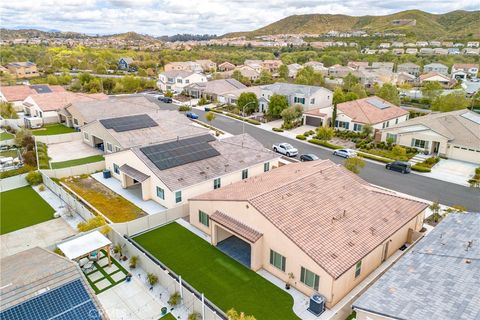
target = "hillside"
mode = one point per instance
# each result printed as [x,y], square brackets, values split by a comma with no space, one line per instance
[455,24]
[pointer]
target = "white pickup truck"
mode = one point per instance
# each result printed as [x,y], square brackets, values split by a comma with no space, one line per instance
[285,149]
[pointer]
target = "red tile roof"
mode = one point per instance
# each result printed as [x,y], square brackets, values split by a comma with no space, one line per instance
[21,92]
[364,110]
[331,214]
[57,100]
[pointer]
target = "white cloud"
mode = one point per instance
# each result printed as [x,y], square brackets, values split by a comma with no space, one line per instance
[193,16]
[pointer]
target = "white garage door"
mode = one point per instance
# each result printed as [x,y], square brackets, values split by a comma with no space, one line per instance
[464,154]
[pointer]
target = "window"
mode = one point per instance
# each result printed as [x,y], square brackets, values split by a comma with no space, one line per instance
[358,268]
[357,127]
[266,166]
[117,148]
[109,147]
[309,278]
[178,196]
[217,183]
[75,121]
[312,101]
[179,81]
[187,81]
[277,260]
[116,168]
[160,193]
[203,218]
[244,174]
[85,135]
[392,137]
[299,100]
[385,124]
[421,144]
[342,124]
[396,121]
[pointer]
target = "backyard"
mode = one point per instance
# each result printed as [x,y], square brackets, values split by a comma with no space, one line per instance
[76,162]
[52,129]
[103,277]
[224,281]
[5,136]
[22,208]
[112,205]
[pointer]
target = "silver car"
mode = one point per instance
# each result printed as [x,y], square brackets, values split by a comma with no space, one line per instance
[345,153]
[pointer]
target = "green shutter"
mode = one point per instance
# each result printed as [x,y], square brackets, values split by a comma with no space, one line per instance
[317,280]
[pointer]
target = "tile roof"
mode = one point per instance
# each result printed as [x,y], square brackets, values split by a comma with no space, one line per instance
[232,158]
[363,111]
[454,125]
[21,92]
[218,86]
[53,101]
[133,173]
[292,89]
[236,226]
[177,73]
[465,65]
[331,214]
[433,280]
[432,74]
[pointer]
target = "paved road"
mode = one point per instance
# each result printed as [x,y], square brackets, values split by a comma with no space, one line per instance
[412,184]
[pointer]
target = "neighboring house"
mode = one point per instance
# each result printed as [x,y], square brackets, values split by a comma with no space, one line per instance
[40,284]
[426,51]
[309,97]
[114,134]
[339,71]
[435,43]
[176,81]
[455,135]
[471,51]
[46,106]
[80,113]
[231,97]
[16,94]
[23,70]
[387,66]
[411,51]
[436,279]
[293,70]
[126,64]
[436,67]
[440,51]
[254,64]
[226,66]
[271,66]
[410,68]
[316,220]
[212,89]
[403,77]
[357,64]
[398,51]
[370,76]
[462,71]
[354,115]
[248,72]
[183,66]
[435,76]
[207,65]
[317,67]
[453,51]
[173,180]
[473,44]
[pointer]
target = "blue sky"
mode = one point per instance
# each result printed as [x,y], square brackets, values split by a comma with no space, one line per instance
[168,17]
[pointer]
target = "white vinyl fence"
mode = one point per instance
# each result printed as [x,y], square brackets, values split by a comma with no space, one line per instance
[191,298]
[14,182]
[14,123]
[59,138]
[87,168]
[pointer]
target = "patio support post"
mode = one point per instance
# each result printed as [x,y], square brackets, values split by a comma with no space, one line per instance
[181,287]
[107,248]
[203,306]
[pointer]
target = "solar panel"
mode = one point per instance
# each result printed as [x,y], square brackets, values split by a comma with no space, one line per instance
[70,301]
[472,116]
[41,88]
[127,123]
[176,153]
[378,103]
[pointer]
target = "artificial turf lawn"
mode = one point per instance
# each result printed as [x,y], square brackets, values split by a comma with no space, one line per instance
[224,281]
[21,208]
[52,129]
[168,316]
[5,136]
[77,162]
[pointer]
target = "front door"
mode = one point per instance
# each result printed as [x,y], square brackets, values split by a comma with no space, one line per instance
[436,146]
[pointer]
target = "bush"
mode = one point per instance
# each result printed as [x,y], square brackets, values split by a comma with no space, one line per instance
[324,143]
[194,316]
[301,137]
[202,101]
[16,172]
[152,279]
[372,157]
[92,223]
[399,151]
[431,161]
[34,178]
[309,133]
[324,133]
[41,188]
[184,108]
[174,299]
[255,122]
[277,129]
[419,168]
[133,262]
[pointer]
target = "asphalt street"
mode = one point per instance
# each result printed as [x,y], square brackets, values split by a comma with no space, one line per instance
[412,184]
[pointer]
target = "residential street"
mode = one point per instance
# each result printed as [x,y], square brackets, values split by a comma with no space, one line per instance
[412,184]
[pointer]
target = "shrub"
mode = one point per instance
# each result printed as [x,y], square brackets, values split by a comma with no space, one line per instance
[309,133]
[301,137]
[477,171]
[372,157]
[152,279]
[277,129]
[184,108]
[194,316]
[399,151]
[34,178]
[105,229]
[133,262]
[324,133]
[255,122]
[419,168]
[92,223]
[174,299]
[324,143]
[202,101]
[41,188]
[354,164]
[431,161]
[59,252]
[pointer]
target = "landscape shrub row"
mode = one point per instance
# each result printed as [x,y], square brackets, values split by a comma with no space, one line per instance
[301,137]
[325,144]
[277,129]
[372,157]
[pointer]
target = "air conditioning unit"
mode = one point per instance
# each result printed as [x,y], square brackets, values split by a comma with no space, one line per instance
[317,304]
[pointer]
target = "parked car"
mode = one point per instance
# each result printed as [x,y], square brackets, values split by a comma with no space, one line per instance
[346,153]
[400,166]
[165,99]
[191,115]
[207,109]
[285,149]
[308,157]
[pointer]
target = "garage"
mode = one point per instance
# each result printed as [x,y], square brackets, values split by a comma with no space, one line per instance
[313,121]
[464,154]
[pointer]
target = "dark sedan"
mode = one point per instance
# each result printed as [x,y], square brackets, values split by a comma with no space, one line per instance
[308,157]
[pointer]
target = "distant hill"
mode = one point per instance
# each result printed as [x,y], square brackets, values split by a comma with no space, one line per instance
[131,36]
[455,24]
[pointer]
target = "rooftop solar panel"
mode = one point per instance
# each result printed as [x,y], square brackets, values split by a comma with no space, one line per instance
[70,301]
[475,117]
[378,103]
[41,88]
[176,153]
[127,123]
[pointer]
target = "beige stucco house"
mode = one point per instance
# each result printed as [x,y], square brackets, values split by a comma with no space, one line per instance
[314,220]
[17,93]
[174,171]
[455,134]
[23,70]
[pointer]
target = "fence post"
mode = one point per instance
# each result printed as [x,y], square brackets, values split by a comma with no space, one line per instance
[181,287]
[203,306]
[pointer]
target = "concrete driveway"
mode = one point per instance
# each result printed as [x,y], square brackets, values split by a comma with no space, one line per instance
[453,171]
[71,150]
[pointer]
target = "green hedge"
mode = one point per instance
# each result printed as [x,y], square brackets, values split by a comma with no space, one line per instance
[16,172]
[184,108]
[325,144]
[277,129]
[419,168]
[231,115]
[372,157]
[301,137]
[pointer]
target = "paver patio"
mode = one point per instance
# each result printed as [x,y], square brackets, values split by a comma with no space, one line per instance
[104,277]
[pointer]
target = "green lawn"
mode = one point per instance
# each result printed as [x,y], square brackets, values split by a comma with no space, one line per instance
[5,136]
[21,208]
[168,316]
[52,129]
[9,153]
[77,162]
[224,281]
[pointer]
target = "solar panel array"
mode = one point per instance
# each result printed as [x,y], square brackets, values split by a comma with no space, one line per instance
[176,153]
[41,88]
[378,103]
[127,123]
[70,301]
[475,117]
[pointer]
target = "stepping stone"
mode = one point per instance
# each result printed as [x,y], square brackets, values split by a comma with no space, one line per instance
[103,262]
[118,276]
[111,269]
[103,284]
[95,276]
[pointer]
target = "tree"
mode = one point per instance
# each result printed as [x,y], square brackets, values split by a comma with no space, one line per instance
[367,130]
[350,81]
[265,77]
[108,84]
[308,76]
[450,102]
[277,104]
[232,314]
[435,209]
[7,111]
[338,96]
[354,164]
[350,96]
[325,133]
[210,116]
[290,114]
[389,92]
[283,71]
[359,90]
[334,115]
[249,101]
[431,90]
[399,151]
